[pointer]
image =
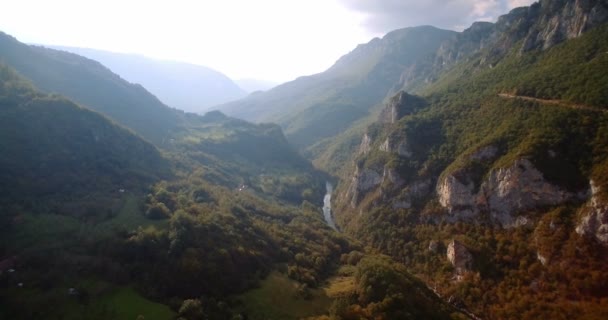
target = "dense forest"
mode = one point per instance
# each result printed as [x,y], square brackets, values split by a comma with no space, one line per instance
[470,171]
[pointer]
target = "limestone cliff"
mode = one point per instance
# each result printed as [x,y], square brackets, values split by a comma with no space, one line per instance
[502,194]
[594,222]
[560,20]
[362,181]
[459,256]
[399,106]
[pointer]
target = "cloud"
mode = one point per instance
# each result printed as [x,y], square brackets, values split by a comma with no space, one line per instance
[386,15]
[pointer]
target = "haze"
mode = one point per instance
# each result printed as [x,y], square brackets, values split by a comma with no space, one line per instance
[266,39]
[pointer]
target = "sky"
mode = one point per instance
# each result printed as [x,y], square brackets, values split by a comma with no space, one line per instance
[276,40]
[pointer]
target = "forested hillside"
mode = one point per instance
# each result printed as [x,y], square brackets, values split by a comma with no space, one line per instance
[96,220]
[470,172]
[89,83]
[57,155]
[507,165]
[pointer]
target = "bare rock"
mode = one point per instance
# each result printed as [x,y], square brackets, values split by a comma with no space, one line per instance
[365,146]
[505,192]
[541,258]
[459,256]
[560,20]
[362,181]
[457,197]
[399,106]
[391,175]
[396,145]
[594,222]
[516,188]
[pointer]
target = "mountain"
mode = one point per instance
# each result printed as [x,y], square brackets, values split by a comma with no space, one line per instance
[184,86]
[89,83]
[57,155]
[93,215]
[489,182]
[316,107]
[470,172]
[253,85]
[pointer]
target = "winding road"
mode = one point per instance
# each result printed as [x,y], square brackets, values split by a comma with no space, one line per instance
[554,102]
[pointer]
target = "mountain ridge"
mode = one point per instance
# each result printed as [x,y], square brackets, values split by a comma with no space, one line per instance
[185,86]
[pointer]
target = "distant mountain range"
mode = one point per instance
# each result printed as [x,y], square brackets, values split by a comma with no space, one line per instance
[181,85]
[253,85]
[316,107]
[475,160]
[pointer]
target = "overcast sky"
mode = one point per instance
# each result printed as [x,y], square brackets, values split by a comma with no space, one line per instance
[275,40]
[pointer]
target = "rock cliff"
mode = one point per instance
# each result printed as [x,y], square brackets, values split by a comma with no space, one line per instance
[594,222]
[399,106]
[560,20]
[459,256]
[505,192]
[362,181]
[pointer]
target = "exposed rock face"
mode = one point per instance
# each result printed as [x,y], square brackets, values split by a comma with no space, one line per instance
[504,192]
[459,256]
[396,145]
[399,106]
[391,175]
[542,259]
[516,188]
[560,20]
[454,194]
[541,26]
[366,144]
[594,223]
[363,180]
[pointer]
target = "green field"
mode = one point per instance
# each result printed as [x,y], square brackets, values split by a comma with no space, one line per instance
[277,298]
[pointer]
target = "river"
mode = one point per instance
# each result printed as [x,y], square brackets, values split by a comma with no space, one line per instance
[327,206]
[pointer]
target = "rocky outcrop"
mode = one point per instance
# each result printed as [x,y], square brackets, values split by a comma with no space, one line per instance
[459,256]
[503,193]
[542,259]
[396,145]
[560,20]
[362,181]
[399,106]
[391,175]
[366,144]
[594,222]
[517,188]
[540,26]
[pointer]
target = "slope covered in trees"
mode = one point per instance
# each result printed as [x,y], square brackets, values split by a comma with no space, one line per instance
[436,168]
[56,154]
[90,208]
[90,84]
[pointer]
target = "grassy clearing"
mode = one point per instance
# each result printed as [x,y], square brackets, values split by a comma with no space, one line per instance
[128,304]
[130,217]
[97,300]
[340,286]
[277,298]
[43,230]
